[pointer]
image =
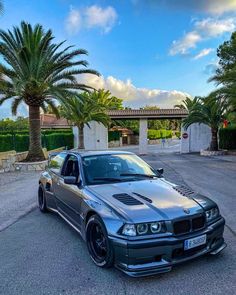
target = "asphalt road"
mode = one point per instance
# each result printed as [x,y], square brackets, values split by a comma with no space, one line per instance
[41,254]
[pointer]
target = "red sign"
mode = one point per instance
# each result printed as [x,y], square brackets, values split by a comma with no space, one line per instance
[185,135]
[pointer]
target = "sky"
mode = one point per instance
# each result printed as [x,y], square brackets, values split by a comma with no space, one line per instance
[149,52]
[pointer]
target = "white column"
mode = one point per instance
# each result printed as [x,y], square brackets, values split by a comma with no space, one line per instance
[76,136]
[143,136]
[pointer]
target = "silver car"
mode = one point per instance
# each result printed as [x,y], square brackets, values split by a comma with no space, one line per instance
[127,213]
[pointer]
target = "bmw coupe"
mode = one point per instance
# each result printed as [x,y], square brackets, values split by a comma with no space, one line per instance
[129,215]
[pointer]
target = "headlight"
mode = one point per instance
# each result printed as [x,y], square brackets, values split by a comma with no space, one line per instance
[212,214]
[142,228]
[156,227]
[129,230]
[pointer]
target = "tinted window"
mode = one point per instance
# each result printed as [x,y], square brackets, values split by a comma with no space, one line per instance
[119,166]
[71,167]
[56,163]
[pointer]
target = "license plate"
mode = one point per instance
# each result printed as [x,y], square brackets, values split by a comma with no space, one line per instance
[194,242]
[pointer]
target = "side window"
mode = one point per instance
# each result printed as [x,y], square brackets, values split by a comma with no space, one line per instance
[56,163]
[71,167]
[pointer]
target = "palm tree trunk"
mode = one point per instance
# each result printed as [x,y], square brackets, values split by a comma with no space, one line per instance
[81,136]
[214,139]
[35,149]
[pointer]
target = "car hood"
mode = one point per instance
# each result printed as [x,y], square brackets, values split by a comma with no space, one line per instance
[162,201]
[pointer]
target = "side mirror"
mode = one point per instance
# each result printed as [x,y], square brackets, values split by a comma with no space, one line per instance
[160,171]
[70,179]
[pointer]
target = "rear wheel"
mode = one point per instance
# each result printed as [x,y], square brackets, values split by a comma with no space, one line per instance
[41,199]
[99,246]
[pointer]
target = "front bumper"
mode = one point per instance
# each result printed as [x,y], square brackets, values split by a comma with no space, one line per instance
[152,256]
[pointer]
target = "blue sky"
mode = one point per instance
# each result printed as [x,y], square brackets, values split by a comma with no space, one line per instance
[148,52]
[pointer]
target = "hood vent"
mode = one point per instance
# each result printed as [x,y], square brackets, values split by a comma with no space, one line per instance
[127,199]
[143,197]
[183,190]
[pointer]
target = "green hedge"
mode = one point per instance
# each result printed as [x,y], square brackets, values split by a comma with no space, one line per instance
[43,131]
[20,142]
[114,135]
[56,140]
[157,134]
[228,138]
[6,143]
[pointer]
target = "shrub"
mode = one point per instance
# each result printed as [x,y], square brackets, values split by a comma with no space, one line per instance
[56,140]
[157,134]
[178,134]
[113,135]
[6,143]
[50,131]
[227,137]
[21,142]
[154,134]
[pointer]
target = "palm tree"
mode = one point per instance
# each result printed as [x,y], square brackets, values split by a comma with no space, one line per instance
[82,109]
[187,103]
[211,111]
[37,72]
[105,99]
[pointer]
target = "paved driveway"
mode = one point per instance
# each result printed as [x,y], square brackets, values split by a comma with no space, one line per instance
[41,254]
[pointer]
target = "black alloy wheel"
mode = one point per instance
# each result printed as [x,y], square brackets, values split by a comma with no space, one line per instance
[99,246]
[41,199]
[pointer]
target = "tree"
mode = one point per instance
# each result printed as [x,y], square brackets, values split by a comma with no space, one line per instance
[211,111]
[187,103]
[106,100]
[37,71]
[226,72]
[82,109]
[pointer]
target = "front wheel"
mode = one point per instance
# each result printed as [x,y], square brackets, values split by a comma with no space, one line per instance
[99,246]
[41,199]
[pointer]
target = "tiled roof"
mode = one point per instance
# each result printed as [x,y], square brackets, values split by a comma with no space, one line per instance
[51,121]
[160,113]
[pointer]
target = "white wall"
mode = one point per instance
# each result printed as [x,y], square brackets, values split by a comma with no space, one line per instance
[199,138]
[95,137]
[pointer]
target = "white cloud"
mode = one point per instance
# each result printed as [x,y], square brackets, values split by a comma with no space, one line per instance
[204,29]
[133,96]
[203,52]
[73,21]
[213,28]
[182,46]
[97,17]
[91,17]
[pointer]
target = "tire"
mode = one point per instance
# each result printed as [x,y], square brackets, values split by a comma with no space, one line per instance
[98,244]
[41,199]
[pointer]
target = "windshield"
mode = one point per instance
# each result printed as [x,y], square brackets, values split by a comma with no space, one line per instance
[115,168]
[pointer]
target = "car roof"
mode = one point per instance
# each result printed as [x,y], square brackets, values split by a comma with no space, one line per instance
[97,153]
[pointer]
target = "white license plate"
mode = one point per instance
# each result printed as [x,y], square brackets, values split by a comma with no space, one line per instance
[194,242]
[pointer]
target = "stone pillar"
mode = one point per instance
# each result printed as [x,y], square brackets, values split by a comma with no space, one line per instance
[143,136]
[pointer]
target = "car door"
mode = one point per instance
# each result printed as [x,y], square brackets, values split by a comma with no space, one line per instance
[69,196]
